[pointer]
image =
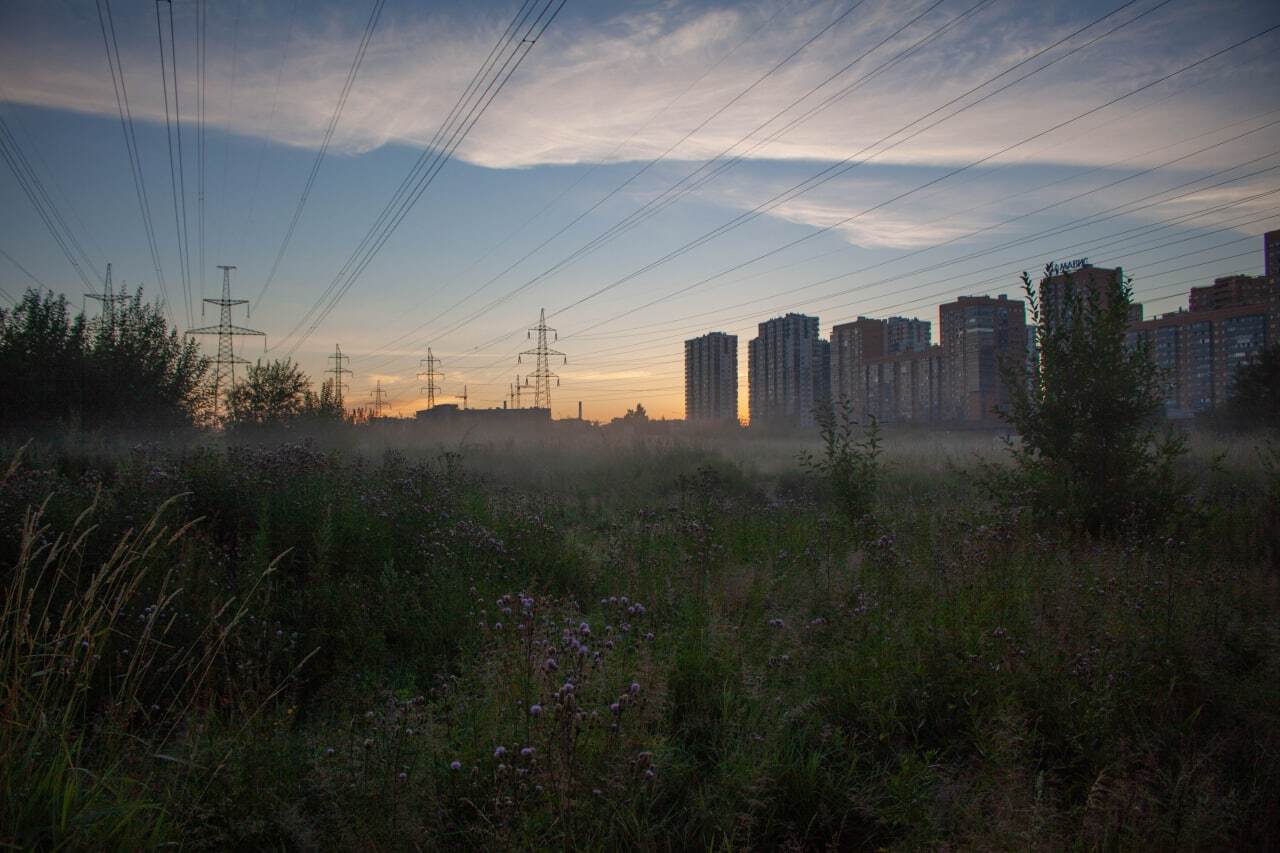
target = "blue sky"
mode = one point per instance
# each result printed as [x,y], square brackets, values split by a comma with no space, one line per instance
[609,88]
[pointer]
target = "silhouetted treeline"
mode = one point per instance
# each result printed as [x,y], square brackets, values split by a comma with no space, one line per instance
[125,368]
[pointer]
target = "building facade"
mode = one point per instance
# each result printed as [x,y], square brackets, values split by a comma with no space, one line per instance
[852,345]
[1271,250]
[906,334]
[711,378]
[977,333]
[1198,350]
[788,371]
[905,387]
[1230,292]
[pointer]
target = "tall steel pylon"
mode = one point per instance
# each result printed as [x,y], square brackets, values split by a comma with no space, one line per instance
[379,399]
[339,367]
[542,374]
[108,298]
[430,375]
[224,366]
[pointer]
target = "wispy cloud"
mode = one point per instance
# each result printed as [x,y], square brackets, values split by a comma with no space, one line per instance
[586,93]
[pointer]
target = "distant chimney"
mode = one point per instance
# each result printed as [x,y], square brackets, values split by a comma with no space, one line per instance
[504,404]
[579,410]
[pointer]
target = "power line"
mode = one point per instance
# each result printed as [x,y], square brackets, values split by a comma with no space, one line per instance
[834,170]
[202,76]
[845,166]
[275,101]
[11,259]
[374,13]
[421,174]
[11,152]
[223,195]
[648,208]
[1087,220]
[537,28]
[583,176]
[177,172]
[106,23]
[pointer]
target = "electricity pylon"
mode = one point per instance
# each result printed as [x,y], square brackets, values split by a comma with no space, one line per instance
[224,366]
[337,370]
[430,375]
[542,374]
[108,298]
[379,399]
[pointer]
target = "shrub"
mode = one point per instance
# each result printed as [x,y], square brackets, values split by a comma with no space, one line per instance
[1086,406]
[850,463]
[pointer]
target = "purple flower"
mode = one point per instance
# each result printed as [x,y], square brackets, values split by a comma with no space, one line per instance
[535,710]
[499,752]
[497,626]
[635,688]
[551,665]
[455,765]
[527,752]
[402,776]
[615,708]
[584,629]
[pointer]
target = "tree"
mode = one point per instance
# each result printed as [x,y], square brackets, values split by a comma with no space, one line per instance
[127,367]
[1254,400]
[271,394]
[1087,407]
[324,406]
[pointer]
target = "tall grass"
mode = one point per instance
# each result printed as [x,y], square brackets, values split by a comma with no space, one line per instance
[280,647]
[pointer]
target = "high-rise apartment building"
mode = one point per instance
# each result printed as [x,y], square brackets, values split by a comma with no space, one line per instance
[906,334]
[788,371]
[1199,350]
[1082,280]
[1229,292]
[711,378]
[1271,253]
[852,344]
[977,333]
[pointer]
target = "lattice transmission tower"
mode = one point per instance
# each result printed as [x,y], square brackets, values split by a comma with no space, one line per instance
[379,399]
[339,368]
[224,365]
[542,374]
[430,375]
[108,297]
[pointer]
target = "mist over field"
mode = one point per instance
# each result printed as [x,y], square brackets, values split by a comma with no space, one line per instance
[660,425]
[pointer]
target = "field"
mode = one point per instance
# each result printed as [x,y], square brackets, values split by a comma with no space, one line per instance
[663,645]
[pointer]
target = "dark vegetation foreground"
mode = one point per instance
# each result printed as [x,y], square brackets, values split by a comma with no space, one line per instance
[237,647]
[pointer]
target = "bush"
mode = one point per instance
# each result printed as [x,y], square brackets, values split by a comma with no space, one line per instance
[849,465]
[1086,406]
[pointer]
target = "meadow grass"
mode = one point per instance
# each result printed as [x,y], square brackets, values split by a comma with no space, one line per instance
[663,646]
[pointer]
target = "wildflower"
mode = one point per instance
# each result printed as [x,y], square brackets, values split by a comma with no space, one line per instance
[368,743]
[499,752]
[634,688]
[584,629]
[615,708]
[776,623]
[535,710]
[527,752]
[497,626]
[649,774]
[649,636]
[551,665]
[329,751]
[402,776]
[455,765]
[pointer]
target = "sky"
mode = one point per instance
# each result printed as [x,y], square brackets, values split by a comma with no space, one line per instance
[644,172]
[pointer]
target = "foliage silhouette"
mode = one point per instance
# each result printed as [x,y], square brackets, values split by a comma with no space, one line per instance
[127,367]
[1086,405]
